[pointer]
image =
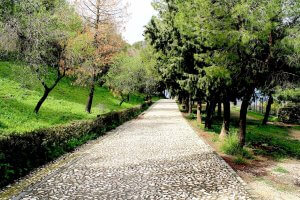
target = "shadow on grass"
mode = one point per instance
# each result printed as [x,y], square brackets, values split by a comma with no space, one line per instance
[268,140]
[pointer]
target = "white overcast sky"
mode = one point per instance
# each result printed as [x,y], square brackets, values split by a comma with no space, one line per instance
[140,12]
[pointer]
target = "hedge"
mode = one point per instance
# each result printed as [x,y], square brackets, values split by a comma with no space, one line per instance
[21,153]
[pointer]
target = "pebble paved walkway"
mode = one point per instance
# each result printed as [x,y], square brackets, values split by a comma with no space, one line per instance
[157,156]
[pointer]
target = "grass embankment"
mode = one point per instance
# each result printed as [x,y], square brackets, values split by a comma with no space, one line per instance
[19,93]
[271,140]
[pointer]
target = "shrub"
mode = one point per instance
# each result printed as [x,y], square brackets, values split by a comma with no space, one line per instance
[191,116]
[290,114]
[20,153]
[231,146]
[239,160]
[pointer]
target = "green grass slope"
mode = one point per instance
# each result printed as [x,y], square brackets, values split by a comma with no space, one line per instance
[65,103]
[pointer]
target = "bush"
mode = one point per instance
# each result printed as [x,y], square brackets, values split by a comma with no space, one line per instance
[191,116]
[290,114]
[231,146]
[20,153]
[239,160]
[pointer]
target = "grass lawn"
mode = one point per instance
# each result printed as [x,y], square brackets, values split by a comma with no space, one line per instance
[275,141]
[66,103]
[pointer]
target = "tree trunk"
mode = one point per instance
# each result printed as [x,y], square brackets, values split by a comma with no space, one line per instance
[219,110]
[207,107]
[179,99]
[123,100]
[190,109]
[243,120]
[186,104]
[90,99]
[254,99]
[128,97]
[268,109]
[42,100]
[209,115]
[226,119]
[199,108]
[47,89]
[262,106]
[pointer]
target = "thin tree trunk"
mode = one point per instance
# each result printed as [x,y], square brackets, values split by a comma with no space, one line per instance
[186,104]
[209,115]
[190,109]
[128,97]
[214,109]
[226,119]
[179,99]
[268,109]
[199,110]
[123,100]
[207,107]
[262,106]
[42,100]
[254,98]
[219,110]
[90,99]
[243,120]
[47,90]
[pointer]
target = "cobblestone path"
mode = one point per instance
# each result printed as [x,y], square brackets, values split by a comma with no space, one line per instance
[157,156]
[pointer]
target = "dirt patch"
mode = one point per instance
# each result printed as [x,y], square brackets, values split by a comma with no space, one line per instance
[295,133]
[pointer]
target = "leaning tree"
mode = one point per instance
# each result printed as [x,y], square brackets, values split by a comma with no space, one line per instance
[42,29]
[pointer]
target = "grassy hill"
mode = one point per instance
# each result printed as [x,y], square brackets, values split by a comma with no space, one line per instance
[66,103]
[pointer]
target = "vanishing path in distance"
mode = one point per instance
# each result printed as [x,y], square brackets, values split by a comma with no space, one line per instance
[157,156]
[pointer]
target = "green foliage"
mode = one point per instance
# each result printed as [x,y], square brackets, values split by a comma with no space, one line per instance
[191,116]
[231,146]
[38,32]
[272,140]
[125,75]
[292,95]
[66,103]
[223,50]
[239,160]
[296,128]
[134,71]
[290,114]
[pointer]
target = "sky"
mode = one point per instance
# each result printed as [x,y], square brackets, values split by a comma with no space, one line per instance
[140,12]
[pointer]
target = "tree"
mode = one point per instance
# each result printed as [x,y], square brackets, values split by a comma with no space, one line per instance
[43,27]
[268,109]
[253,42]
[104,19]
[92,54]
[124,75]
[152,83]
[175,56]
[96,12]
[134,70]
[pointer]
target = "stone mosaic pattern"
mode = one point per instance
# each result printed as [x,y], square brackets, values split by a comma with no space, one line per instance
[157,156]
